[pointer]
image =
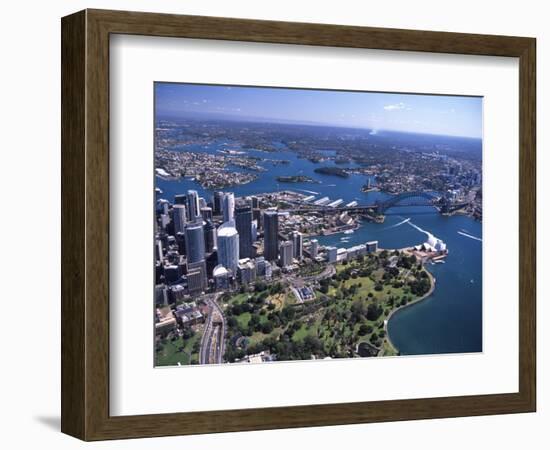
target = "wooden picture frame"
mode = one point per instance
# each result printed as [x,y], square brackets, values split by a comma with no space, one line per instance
[85,224]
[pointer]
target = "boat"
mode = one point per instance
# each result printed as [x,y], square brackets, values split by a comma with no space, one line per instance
[349,232]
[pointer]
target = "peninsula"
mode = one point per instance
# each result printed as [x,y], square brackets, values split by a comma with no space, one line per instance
[296,179]
[336,171]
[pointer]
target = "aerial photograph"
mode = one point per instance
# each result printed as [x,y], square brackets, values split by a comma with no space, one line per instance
[297,224]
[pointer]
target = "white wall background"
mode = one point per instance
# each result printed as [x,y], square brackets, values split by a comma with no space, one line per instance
[30,225]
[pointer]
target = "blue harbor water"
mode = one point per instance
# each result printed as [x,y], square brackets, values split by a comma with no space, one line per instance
[450,320]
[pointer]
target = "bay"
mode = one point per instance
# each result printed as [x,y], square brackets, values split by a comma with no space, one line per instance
[448,321]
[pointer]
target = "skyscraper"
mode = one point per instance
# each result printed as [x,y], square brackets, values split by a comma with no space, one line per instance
[180,241]
[228,246]
[228,206]
[206,213]
[271,235]
[286,254]
[196,279]
[243,221]
[193,205]
[221,277]
[194,242]
[297,242]
[314,249]
[254,228]
[180,218]
[172,273]
[158,250]
[257,216]
[164,221]
[210,236]
[217,201]
[180,199]
[163,205]
[332,254]
[247,271]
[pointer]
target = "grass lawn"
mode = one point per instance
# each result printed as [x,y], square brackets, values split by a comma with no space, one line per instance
[178,351]
[301,333]
[259,336]
[312,327]
[238,299]
[387,349]
[243,319]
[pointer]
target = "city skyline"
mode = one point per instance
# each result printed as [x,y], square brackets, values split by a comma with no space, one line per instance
[446,115]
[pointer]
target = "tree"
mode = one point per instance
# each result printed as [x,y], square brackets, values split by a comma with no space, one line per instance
[287,314]
[187,333]
[363,330]
[267,327]
[358,309]
[374,311]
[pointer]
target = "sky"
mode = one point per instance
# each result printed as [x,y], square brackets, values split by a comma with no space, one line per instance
[428,114]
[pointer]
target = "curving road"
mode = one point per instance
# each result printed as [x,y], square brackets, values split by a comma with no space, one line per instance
[213,339]
[328,271]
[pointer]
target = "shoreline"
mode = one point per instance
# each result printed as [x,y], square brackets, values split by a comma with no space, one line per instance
[414,302]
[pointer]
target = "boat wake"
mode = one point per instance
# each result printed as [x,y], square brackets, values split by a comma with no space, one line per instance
[398,224]
[427,233]
[416,227]
[469,236]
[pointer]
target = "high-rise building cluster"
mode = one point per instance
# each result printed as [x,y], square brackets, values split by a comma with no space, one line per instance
[220,244]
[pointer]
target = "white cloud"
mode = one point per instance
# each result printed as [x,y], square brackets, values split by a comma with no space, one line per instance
[395,106]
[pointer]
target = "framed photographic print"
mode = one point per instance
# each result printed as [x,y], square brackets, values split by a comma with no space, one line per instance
[272,225]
